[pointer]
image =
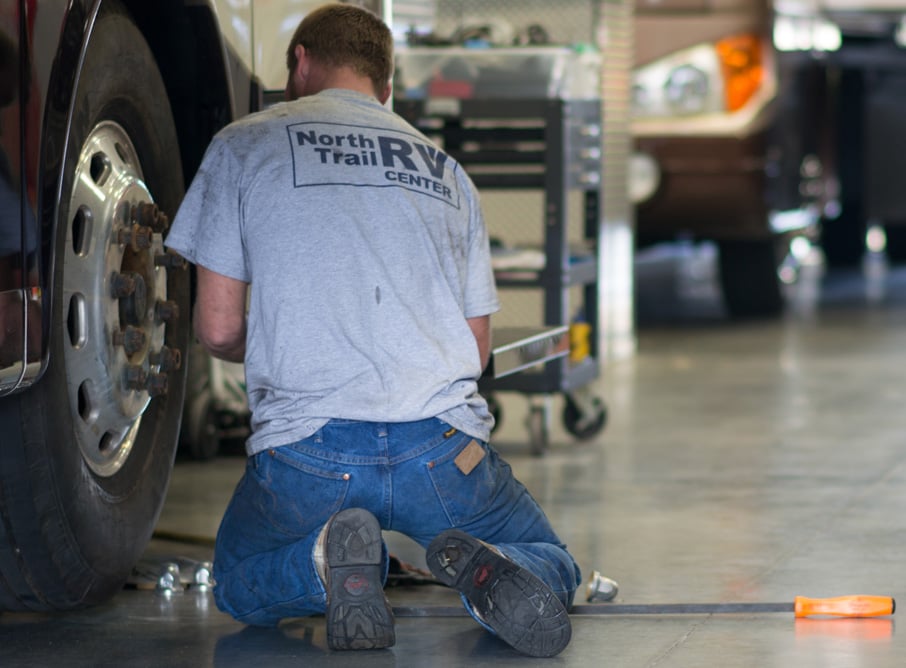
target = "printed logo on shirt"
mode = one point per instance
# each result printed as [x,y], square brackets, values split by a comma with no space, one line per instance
[370,157]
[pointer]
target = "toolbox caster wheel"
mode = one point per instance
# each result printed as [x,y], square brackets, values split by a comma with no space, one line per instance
[537,423]
[585,417]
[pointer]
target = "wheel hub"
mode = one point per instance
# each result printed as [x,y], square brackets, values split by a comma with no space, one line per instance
[115,299]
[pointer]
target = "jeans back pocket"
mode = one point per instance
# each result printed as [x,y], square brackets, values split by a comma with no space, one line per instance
[464,479]
[298,492]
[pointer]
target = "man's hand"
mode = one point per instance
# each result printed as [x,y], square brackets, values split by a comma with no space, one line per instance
[220,323]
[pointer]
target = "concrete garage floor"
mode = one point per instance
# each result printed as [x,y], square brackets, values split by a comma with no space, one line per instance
[743,462]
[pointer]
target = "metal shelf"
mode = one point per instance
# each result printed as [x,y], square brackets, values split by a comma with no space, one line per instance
[551,145]
[519,348]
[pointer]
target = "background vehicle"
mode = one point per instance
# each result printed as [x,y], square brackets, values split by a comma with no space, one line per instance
[856,50]
[719,154]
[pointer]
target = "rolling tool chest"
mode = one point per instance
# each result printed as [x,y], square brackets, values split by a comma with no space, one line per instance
[552,145]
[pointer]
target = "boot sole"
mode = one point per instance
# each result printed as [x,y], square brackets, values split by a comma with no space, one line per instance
[358,614]
[520,608]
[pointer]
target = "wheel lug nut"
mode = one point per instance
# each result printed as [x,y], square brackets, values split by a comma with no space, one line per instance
[167,359]
[170,261]
[148,213]
[138,237]
[122,285]
[166,311]
[156,384]
[134,377]
[132,339]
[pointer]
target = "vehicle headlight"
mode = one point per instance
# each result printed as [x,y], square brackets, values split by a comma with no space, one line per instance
[704,79]
[686,90]
[806,33]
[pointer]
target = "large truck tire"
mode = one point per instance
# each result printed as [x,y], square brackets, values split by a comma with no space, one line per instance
[749,280]
[896,243]
[843,238]
[86,453]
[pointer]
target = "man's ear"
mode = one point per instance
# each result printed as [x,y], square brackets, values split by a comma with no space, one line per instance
[302,63]
[385,94]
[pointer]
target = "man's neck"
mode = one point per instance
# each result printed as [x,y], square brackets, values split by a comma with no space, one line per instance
[344,78]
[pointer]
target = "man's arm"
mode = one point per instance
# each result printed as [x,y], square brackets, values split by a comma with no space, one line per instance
[481,329]
[220,315]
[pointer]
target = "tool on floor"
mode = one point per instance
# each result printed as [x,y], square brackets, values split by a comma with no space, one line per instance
[171,575]
[840,606]
[177,574]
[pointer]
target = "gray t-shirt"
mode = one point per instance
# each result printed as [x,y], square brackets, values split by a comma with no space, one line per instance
[366,251]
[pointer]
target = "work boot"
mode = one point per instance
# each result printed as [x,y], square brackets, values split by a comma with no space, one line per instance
[358,614]
[521,609]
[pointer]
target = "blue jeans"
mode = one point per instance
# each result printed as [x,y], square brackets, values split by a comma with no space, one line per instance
[404,474]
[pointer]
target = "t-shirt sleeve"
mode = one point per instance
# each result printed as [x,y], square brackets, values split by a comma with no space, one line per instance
[481,289]
[207,229]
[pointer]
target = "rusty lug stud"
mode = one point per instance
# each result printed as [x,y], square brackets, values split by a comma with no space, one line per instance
[162,224]
[135,377]
[138,237]
[166,311]
[156,384]
[170,261]
[168,359]
[122,285]
[132,339]
[148,213]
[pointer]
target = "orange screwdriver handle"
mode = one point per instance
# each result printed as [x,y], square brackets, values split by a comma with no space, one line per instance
[845,606]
